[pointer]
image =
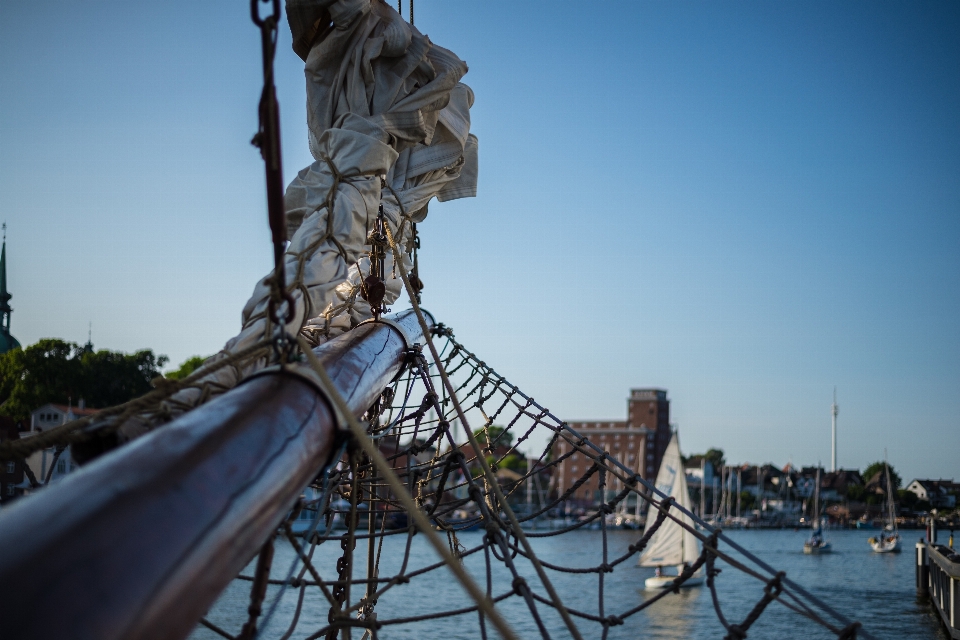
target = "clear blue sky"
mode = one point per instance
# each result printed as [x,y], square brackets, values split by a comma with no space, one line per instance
[744,203]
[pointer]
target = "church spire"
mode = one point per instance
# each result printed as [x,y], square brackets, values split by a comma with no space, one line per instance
[7,341]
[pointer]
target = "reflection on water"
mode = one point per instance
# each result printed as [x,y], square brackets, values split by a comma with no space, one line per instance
[671,617]
[877,589]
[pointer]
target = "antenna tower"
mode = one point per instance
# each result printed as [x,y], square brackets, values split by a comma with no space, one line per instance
[833,447]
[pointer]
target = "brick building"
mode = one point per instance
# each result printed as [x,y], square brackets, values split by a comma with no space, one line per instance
[637,442]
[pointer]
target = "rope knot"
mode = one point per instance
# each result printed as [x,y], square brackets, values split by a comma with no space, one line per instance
[520,586]
[774,587]
[613,621]
[605,568]
[605,508]
[734,632]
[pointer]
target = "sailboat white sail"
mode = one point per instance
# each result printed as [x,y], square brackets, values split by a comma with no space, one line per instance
[671,544]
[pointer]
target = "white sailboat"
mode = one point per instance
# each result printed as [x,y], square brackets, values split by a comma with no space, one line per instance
[889,539]
[671,544]
[816,544]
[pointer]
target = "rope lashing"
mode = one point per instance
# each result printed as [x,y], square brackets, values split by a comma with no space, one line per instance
[373,288]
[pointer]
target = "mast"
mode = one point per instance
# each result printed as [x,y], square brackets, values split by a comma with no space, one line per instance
[834,409]
[703,475]
[714,508]
[739,476]
[891,520]
[816,501]
[529,484]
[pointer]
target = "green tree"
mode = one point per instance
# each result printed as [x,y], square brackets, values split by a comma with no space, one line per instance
[48,371]
[715,457]
[499,436]
[189,366]
[907,499]
[111,377]
[57,371]
[873,469]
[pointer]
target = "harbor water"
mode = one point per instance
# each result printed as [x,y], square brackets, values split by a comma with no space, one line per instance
[876,589]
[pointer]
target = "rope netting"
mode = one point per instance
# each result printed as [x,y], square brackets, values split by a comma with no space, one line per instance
[356,549]
[412,468]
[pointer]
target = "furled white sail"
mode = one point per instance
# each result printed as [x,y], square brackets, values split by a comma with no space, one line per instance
[671,544]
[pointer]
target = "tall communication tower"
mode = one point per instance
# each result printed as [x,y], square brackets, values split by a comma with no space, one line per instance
[833,448]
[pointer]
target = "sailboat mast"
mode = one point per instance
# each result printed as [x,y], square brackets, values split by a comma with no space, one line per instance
[891,520]
[739,476]
[703,475]
[816,500]
[529,484]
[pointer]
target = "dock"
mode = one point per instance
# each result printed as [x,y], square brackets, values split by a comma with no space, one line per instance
[938,579]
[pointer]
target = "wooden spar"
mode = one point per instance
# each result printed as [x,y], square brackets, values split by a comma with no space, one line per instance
[141,541]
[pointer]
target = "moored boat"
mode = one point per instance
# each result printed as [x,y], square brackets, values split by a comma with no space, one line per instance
[816,544]
[889,539]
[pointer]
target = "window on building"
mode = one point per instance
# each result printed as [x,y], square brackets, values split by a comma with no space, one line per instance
[62,466]
[11,490]
[650,457]
[573,469]
[11,467]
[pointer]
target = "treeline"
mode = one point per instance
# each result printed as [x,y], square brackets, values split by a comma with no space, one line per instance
[56,371]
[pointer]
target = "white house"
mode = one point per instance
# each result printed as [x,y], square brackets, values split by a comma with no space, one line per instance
[45,463]
[937,492]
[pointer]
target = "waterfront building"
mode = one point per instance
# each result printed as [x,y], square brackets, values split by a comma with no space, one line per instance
[45,464]
[834,485]
[941,494]
[637,442]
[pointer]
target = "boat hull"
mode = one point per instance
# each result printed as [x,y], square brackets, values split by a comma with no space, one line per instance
[885,546]
[665,582]
[814,549]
